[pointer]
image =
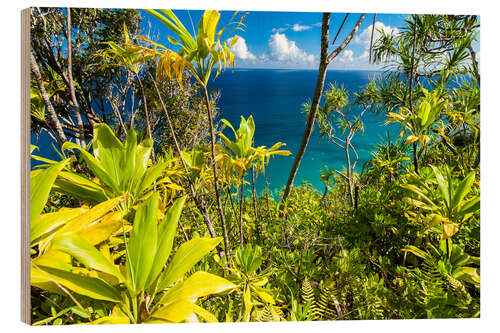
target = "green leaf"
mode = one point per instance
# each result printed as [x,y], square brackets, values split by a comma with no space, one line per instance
[199,284]
[443,185]
[143,243]
[188,254]
[51,221]
[45,277]
[41,183]
[166,234]
[108,151]
[470,275]
[470,206]
[95,166]
[210,20]
[423,113]
[151,174]
[85,253]
[175,312]
[463,189]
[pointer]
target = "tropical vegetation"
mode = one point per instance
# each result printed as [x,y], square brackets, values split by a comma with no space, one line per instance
[151,213]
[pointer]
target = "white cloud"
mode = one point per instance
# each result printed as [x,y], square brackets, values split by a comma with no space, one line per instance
[350,59]
[279,29]
[298,27]
[240,49]
[365,36]
[285,50]
[346,56]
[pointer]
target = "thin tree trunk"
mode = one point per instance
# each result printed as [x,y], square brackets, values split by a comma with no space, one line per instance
[415,156]
[254,198]
[267,192]
[371,37]
[214,168]
[241,200]
[320,81]
[148,126]
[52,113]
[76,106]
[199,202]
[349,171]
[235,214]
[325,59]
[120,115]
[323,198]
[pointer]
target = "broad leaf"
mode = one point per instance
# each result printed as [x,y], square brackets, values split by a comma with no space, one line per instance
[188,254]
[41,183]
[143,243]
[85,253]
[197,285]
[48,278]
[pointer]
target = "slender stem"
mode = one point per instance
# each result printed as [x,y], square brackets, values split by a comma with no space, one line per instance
[267,192]
[241,200]
[148,126]
[81,137]
[415,156]
[214,168]
[254,199]
[371,37]
[235,214]
[199,202]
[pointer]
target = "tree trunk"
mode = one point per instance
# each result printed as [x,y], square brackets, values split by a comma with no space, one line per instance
[200,204]
[235,214]
[76,106]
[214,168]
[148,125]
[241,201]
[323,63]
[48,104]
[256,213]
[349,172]
[415,156]
[325,59]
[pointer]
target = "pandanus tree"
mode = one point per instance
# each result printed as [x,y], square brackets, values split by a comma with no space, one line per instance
[338,124]
[199,53]
[428,47]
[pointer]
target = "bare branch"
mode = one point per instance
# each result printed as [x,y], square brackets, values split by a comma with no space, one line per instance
[347,39]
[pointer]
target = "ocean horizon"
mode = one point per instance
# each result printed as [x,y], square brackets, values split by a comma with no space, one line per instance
[274,98]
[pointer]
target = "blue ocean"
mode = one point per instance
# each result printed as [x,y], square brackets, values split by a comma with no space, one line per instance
[274,97]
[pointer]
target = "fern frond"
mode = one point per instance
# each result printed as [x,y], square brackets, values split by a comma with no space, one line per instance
[307,292]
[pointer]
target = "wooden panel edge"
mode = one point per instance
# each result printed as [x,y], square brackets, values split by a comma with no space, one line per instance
[25,167]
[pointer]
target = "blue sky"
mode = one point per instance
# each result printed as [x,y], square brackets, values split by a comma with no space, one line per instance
[291,40]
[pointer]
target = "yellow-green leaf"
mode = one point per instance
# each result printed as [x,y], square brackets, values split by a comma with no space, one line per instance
[197,285]
[188,254]
[85,253]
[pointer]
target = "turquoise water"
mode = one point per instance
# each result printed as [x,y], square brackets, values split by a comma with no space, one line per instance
[274,98]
